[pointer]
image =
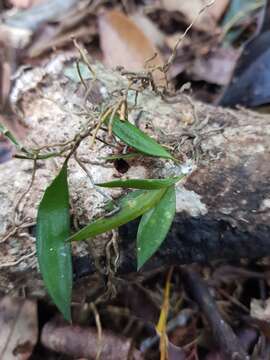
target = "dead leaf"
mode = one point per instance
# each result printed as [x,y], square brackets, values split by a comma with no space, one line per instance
[18,328]
[190,9]
[249,85]
[216,67]
[18,27]
[218,9]
[149,28]
[23,4]
[260,309]
[124,44]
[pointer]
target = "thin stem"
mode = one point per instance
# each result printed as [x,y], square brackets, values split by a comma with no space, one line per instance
[90,177]
[9,135]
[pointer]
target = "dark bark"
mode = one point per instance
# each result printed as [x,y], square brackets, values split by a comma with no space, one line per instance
[223,204]
[190,240]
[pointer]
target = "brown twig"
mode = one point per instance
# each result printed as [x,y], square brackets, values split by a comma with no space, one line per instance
[77,342]
[226,339]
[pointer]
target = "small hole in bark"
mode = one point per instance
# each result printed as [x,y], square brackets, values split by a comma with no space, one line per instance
[32,230]
[121,166]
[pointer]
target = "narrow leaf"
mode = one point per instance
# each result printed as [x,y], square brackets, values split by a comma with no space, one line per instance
[154,226]
[54,253]
[123,200]
[142,183]
[137,139]
[121,156]
[8,134]
[130,209]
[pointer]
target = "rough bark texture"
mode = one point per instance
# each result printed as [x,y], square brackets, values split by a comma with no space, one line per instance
[223,205]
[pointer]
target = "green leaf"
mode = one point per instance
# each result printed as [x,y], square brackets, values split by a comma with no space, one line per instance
[123,200]
[121,156]
[149,184]
[131,207]
[154,226]
[54,253]
[137,139]
[8,134]
[237,11]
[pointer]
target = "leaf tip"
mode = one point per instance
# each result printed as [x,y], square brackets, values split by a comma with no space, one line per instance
[67,314]
[140,261]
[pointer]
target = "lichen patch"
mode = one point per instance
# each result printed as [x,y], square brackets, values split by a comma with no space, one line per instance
[189,202]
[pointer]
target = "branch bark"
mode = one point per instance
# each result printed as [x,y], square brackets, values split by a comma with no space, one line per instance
[81,342]
[223,206]
[225,338]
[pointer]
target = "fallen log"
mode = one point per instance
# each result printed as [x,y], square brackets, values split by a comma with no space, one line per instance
[223,204]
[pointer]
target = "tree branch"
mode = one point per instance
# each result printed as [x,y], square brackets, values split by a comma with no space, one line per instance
[223,205]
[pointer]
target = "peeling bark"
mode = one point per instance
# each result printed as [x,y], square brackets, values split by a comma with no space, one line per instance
[223,205]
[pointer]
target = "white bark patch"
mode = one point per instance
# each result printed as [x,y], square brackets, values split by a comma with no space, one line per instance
[136,172]
[190,202]
[265,205]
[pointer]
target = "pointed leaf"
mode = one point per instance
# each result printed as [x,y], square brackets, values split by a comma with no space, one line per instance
[123,200]
[238,9]
[135,206]
[154,226]
[137,139]
[142,183]
[8,134]
[121,156]
[54,253]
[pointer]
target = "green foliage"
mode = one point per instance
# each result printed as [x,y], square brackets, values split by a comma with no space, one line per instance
[53,251]
[130,209]
[149,184]
[138,140]
[237,11]
[8,134]
[121,156]
[155,200]
[154,226]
